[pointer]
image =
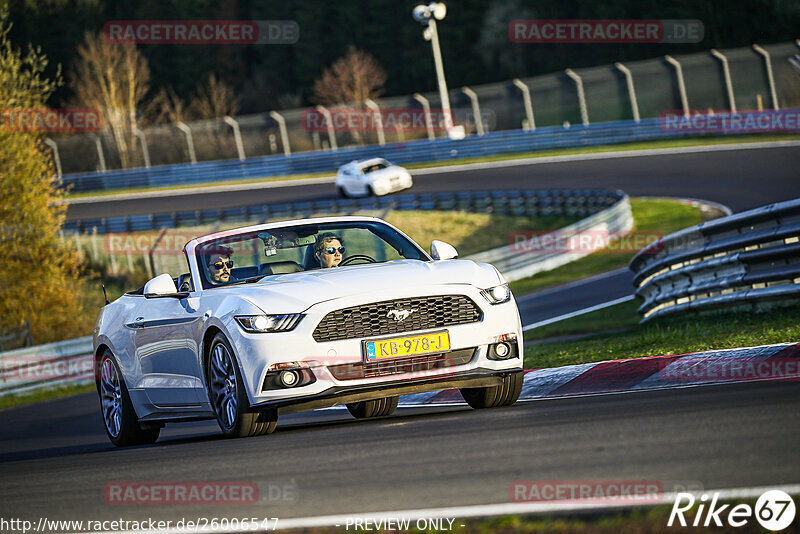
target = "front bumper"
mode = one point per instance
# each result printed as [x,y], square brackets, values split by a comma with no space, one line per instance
[346,394]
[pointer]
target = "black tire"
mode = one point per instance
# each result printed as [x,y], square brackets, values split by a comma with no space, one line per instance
[228,397]
[342,192]
[494,396]
[119,417]
[373,408]
[370,191]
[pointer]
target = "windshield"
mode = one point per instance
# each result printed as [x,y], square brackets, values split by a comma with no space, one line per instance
[252,255]
[376,167]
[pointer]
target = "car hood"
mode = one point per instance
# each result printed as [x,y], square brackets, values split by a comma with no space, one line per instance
[388,172]
[296,292]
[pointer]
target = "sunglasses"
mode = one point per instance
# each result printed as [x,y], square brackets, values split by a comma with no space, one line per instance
[332,250]
[220,264]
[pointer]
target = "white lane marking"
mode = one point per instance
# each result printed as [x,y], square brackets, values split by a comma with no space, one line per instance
[578,312]
[488,510]
[582,281]
[437,170]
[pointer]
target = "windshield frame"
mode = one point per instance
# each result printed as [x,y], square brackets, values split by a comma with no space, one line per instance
[194,247]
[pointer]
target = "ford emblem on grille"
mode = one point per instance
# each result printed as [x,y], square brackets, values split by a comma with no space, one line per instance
[400,315]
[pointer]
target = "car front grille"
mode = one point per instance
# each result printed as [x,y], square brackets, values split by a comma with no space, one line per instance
[380,318]
[396,366]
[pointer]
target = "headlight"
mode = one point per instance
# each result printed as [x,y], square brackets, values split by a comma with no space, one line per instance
[268,323]
[497,294]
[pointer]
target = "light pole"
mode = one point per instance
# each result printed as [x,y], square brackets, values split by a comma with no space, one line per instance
[427,16]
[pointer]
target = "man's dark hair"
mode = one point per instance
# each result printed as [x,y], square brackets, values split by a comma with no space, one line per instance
[220,250]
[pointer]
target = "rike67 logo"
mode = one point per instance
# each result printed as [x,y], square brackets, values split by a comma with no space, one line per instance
[774,510]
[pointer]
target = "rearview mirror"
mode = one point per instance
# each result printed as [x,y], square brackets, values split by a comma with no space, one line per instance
[162,286]
[443,251]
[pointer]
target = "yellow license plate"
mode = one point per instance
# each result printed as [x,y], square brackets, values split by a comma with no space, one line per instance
[407,346]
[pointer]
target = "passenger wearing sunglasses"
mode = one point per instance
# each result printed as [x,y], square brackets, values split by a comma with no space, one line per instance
[220,265]
[329,250]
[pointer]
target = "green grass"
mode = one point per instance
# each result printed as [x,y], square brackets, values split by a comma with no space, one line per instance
[659,216]
[674,143]
[668,335]
[10,401]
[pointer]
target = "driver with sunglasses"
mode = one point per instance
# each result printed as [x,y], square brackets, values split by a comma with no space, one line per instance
[220,265]
[329,250]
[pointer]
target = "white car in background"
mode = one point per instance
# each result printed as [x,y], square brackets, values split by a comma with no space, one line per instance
[279,334]
[370,177]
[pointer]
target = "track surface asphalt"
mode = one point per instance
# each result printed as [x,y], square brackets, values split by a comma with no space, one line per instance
[55,459]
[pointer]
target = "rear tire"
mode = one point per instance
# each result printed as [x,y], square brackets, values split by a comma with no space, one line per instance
[119,417]
[370,192]
[342,192]
[228,397]
[373,408]
[505,394]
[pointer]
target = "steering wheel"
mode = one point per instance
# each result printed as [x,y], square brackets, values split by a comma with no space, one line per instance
[368,259]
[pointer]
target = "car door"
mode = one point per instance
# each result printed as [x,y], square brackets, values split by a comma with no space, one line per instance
[168,356]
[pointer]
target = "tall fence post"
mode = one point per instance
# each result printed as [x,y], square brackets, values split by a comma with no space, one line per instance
[376,114]
[287,151]
[581,95]
[770,79]
[143,140]
[727,74]
[681,85]
[631,91]
[100,156]
[476,108]
[526,100]
[426,109]
[329,121]
[56,158]
[182,126]
[237,135]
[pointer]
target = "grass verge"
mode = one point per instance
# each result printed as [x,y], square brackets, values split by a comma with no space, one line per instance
[649,145]
[659,216]
[667,335]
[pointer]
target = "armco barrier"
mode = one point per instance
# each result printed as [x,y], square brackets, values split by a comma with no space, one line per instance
[507,141]
[70,362]
[44,366]
[746,259]
[533,203]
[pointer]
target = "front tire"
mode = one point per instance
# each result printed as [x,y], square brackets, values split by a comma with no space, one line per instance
[119,417]
[373,408]
[505,394]
[228,396]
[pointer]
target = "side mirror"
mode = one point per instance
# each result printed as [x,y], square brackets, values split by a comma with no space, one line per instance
[443,251]
[162,286]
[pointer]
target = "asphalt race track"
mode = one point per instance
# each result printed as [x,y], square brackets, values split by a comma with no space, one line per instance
[739,179]
[56,460]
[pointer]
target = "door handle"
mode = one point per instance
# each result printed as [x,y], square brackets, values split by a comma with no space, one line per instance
[139,322]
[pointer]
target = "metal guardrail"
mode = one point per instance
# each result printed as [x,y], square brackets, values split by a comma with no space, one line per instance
[522,260]
[532,203]
[746,259]
[507,141]
[70,362]
[46,366]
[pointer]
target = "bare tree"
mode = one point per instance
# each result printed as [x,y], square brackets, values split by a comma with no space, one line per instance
[167,108]
[112,78]
[215,99]
[351,79]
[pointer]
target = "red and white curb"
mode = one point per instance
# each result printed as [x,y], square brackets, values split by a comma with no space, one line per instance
[766,362]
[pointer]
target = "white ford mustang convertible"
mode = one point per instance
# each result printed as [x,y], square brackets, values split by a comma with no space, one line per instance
[298,315]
